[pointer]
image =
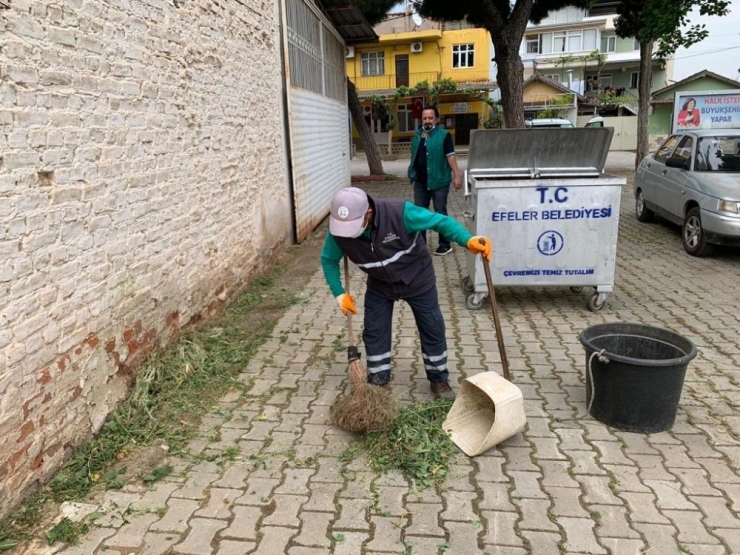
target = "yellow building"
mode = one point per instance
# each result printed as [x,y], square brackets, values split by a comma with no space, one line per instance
[406,59]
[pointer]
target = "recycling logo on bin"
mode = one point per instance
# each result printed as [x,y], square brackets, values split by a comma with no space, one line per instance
[550,243]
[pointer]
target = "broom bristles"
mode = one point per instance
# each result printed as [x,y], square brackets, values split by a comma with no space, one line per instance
[369,408]
[357,376]
[373,411]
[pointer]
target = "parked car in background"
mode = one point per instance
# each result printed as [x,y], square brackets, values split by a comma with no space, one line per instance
[597,121]
[693,180]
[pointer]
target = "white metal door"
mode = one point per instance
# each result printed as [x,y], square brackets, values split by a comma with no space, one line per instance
[318,114]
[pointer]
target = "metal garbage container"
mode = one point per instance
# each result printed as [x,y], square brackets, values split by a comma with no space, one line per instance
[552,213]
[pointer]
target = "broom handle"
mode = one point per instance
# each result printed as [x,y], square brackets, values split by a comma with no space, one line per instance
[497,323]
[346,290]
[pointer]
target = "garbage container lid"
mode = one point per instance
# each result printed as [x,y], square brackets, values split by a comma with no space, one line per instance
[538,153]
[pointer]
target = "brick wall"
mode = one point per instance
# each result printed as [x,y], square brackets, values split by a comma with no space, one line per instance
[142,184]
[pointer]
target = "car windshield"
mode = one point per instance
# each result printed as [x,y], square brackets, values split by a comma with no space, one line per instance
[718,154]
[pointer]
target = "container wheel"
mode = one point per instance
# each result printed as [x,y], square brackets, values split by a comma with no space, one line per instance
[576,289]
[596,302]
[473,303]
[467,285]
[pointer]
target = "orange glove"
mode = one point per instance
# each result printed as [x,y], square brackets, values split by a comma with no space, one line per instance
[480,245]
[346,303]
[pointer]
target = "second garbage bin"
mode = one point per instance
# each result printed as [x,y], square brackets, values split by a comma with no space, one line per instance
[542,197]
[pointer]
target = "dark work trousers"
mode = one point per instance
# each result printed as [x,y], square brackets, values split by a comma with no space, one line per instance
[423,196]
[377,335]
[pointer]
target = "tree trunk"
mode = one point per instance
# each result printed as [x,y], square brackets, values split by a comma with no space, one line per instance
[374,163]
[510,76]
[646,74]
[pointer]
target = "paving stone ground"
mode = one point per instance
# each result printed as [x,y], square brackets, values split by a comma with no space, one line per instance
[566,485]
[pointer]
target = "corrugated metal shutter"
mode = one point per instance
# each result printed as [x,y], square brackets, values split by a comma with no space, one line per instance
[317,112]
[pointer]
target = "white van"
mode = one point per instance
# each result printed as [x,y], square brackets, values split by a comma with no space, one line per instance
[598,121]
[548,122]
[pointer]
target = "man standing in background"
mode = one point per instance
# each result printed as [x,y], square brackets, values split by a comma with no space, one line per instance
[433,166]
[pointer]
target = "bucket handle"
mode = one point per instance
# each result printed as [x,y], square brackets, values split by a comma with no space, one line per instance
[603,359]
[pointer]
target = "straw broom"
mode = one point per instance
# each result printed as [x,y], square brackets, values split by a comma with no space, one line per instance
[369,408]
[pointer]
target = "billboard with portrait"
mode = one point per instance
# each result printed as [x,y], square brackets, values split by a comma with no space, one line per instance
[706,110]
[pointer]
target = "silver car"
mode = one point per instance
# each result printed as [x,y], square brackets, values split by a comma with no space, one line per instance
[693,180]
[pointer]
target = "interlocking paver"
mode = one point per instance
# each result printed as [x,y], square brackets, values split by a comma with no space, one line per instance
[219,503]
[230,547]
[584,462]
[132,534]
[566,502]
[176,518]
[625,478]
[91,542]
[543,543]
[568,484]
[464,536]
[284,510]
[642,508]
[717,511]
[459,506]
[535,515]
[695,482]
[424,519]
[661,538]
[387,534]
[314,529]
[501,529]
[196,486]
[352,515]
[547,448]
[200,537]
[158,544]
[495,497]
[613,522]
[579,535]
[669,495]
[274,540]
[691,527]
[621,546]
[244,524]
[556,473]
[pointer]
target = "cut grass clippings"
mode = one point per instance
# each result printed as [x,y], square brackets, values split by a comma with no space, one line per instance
[416,445]
[172,390]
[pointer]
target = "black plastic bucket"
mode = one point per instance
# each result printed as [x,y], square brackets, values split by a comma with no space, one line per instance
[638,389]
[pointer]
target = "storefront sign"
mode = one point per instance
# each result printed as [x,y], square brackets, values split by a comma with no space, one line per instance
[460,108]
[712,110]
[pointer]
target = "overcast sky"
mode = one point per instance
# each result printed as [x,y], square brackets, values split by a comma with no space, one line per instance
[720,52]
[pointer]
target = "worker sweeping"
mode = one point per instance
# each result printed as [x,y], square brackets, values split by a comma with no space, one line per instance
[384,238]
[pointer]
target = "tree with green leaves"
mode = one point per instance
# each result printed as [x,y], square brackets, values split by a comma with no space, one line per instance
[374,11]
[667,23]
[505,21]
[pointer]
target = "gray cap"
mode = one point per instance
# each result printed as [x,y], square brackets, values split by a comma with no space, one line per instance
[348,209]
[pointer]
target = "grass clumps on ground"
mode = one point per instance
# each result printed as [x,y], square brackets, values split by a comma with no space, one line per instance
[416,445]
[173,389]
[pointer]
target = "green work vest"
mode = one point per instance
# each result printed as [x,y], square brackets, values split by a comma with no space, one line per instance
[439,173]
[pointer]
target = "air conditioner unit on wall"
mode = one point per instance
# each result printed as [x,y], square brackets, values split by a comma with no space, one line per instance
[350,52]
[416,47]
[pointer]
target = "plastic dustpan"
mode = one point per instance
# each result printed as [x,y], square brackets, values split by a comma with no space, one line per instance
[488,408]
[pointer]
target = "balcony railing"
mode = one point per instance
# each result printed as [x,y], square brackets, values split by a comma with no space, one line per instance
[393,81]
[548,100]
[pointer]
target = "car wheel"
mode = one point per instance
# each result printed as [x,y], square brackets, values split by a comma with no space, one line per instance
[694,239]
[644,214]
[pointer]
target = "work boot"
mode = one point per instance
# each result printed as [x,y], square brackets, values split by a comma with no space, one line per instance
[442,390]
[374,380]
